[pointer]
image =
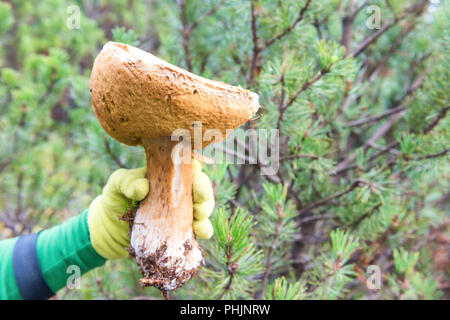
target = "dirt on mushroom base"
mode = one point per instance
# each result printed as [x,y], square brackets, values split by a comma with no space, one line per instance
[162,272]
[156,270]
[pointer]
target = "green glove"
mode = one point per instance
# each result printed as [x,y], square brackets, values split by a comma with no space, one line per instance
[109,234]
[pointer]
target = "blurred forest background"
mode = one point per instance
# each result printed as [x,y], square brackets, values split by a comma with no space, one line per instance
[362,108]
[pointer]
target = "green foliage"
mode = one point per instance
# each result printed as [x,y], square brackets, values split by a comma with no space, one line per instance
[125,36]
[364,139]
[411,283]
[281,289]
[342,245]
[6,17]
[404,262]
[331,272]
[233,254]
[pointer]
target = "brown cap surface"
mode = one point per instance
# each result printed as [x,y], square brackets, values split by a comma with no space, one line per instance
[137,95]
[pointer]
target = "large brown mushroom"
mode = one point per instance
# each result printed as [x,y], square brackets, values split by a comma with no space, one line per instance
[140,99]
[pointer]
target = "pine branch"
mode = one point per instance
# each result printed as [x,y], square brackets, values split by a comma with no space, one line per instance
[205,15]
[291,27]
[348,23]
[273,246]
[314,218]
[371,39]
[342,167]
[394,144]
[4,164]
[186,34]
[372,157]
[436,120]
[188,28]
[112,154]
[357,183]
[102,290]
[299,156]
[385,114]
[376,69]
[358,10]
[256,46]
[416,8]
[395,45]
[394,118]
[303,88]
[435,155]
[232,268]
[358,221]
[346,164]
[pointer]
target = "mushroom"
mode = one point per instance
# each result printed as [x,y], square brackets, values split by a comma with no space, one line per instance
[140,99]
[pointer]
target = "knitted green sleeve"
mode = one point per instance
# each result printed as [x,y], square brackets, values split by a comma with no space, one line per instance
[62,251]
[63,246]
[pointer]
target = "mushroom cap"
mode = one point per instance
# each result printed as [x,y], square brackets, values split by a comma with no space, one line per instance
[137,95]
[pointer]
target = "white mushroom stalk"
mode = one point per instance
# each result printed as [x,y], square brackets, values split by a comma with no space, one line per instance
[162,237]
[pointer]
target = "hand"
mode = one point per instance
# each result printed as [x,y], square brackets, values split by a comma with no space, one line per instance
[109,234]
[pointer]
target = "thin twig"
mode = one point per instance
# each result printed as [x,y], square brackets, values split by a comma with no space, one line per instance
[435,122]
[386,127]
[188,28]
[385,114]
[256,46]
[358,10]
[299,156]
[271,41]
[112,154]
[347,27]
[272,248]
[372,38]
[303,88]
[102,290]
[232,268]
[372,157]
[418,8]
[314,218]
[434,155]
[311,206]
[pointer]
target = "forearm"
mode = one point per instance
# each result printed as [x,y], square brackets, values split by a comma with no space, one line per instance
[8,285]
[67,244]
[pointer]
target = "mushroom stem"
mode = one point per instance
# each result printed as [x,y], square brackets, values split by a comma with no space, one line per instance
[162,236]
